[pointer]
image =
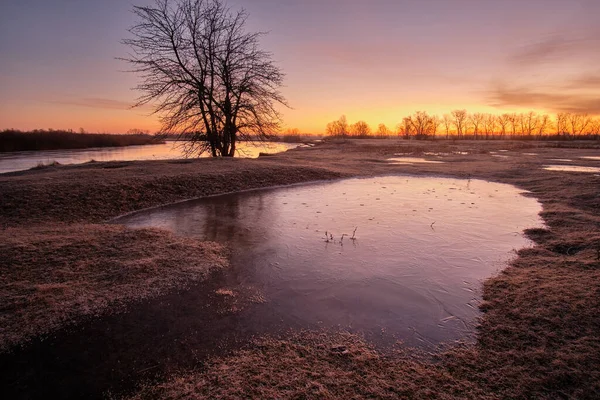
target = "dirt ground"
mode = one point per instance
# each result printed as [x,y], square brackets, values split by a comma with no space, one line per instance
[539,336]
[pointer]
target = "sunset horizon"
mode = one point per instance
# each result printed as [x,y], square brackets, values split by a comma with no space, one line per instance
[376,63]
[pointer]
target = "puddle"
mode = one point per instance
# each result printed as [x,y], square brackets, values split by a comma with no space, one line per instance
[409,267]
[530,154]
[593,158]
[500,156]
[561,159]
[401,254]
[412,160]
[571,168]
[461,153]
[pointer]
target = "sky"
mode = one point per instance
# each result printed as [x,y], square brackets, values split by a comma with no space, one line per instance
[376,60]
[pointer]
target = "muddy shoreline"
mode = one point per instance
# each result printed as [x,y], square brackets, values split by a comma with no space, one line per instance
[540,332]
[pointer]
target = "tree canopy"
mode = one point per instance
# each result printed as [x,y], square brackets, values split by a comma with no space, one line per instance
[205,76]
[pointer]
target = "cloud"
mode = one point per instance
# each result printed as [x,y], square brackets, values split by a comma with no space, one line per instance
[97,102]
[555,101]
[557,73]
[548,49]
[567,47]
[586,81]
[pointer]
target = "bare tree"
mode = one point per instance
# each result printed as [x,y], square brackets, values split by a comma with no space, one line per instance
[561,123]
[338,128]
[360,129]
[435,124]
[137,131]
[460,119]
[447,121]
[543,124]
[595,127]
[476,121]
[206,76]
[489,124]
[503,121]
[421,125]
[513,119]
[402,129]
[522,123]
[406,128]
[529,123]
[383,131]
[578,123]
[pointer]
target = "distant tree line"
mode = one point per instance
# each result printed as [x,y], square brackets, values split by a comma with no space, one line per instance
[39,139]
[459,124]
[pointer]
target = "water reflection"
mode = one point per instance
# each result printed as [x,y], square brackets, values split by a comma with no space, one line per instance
[412,160]
[422,247]
[23,160]
[571,168]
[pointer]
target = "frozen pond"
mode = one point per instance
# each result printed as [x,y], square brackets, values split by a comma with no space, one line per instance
[571,168]
[412,160]
[393,257]
[22,160]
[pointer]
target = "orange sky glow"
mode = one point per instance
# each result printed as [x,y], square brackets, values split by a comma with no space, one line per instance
[374,61]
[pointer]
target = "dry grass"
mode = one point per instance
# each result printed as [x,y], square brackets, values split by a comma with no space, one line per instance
[56,275]
[539,336]
[316,366]
[99,191]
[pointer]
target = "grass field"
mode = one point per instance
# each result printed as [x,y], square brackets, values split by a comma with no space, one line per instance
[539,336]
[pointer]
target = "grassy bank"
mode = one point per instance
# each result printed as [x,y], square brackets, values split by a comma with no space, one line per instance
[539,336]
[55,275]
[14,140]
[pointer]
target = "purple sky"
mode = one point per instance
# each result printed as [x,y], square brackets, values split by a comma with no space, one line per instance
[374,60]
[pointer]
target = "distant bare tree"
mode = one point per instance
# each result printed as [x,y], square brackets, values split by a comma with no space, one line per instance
[402,129]
[447,121]
[407,128]
[561,123]
[489,124]
[360,129]
[338,128]
[578,123]
[207,77]
[543,124]
[383,131]
[476,121]
[513,119]
[460,119]
[435,124]
[503,121]
[530,123]
[595,126]
[527,125]
[421,125]
[136,131]
[522,123]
